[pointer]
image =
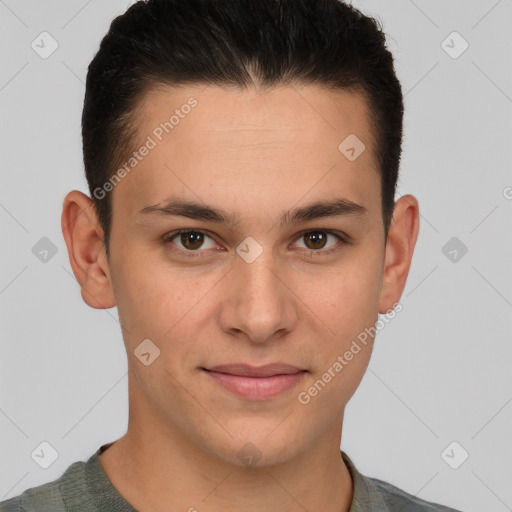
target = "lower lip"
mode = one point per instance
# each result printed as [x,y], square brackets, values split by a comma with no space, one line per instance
[256,388]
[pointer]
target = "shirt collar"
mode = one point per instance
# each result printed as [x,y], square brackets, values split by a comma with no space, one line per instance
[366,495]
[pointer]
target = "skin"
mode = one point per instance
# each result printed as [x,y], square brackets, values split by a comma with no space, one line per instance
[256,155]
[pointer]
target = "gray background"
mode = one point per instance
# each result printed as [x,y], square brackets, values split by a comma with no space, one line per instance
[441,370]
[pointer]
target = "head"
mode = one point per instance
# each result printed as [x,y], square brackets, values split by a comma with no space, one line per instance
[271,116]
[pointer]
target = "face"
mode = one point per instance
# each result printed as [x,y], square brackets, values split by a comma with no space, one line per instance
[264,275]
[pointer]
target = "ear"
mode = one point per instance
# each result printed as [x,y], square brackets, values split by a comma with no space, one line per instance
[402,235]
[87,255]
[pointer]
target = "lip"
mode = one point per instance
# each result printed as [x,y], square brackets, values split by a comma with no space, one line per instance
[247,370]
[256,382]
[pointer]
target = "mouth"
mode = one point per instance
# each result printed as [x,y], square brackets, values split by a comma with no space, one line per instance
[256,383]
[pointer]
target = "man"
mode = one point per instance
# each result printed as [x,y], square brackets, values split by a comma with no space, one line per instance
[242,158]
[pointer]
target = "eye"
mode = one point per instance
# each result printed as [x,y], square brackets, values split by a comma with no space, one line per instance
[191,240]
[316,241]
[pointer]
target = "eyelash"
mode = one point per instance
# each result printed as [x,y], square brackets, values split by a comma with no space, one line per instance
[166,239]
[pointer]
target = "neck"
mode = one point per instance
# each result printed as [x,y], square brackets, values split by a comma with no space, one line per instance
[157,472]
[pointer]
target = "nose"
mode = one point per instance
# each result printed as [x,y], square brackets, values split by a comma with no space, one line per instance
[259,303]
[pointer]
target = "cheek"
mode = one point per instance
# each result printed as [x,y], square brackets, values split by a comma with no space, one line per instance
[162,303]
[143,296]
[352,299]
[350,295]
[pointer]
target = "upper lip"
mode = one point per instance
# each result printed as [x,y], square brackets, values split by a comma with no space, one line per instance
[247,370]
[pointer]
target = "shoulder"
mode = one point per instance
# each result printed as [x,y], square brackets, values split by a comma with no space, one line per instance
[48,497]
[398,499]
[373,494]
[11,505]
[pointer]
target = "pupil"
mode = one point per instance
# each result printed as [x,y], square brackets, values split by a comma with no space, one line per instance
[191,238]
[317,238]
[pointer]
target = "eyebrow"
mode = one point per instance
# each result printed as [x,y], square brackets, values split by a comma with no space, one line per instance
[317,210]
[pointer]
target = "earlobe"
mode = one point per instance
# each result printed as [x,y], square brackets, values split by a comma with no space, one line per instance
[84,240]
[402,236]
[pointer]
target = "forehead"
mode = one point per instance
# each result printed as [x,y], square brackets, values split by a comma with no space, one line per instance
[277,114]
[242,146]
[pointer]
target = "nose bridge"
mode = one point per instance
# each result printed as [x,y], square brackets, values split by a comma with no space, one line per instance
[259,279]
[260,304]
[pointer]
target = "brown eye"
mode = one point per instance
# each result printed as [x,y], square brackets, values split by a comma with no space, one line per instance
[188,241]
[317,239]
[192,240]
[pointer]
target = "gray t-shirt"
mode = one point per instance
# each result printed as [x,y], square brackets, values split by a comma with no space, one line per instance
[85,487]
